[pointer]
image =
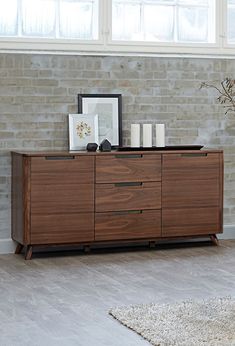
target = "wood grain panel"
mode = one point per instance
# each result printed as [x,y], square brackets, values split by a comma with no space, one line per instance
[116,168]
[62,169]
[63,198]
[114,197]
[190,166]
[17,205]
[190,193]
[190,221]
[62,228]
[20,199]
[112,226]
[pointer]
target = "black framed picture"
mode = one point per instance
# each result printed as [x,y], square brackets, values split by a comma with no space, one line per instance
[108,107]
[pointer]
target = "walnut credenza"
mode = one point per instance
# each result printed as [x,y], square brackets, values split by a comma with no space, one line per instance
[86,198]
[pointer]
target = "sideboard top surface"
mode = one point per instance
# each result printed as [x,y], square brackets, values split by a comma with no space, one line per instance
[113,152]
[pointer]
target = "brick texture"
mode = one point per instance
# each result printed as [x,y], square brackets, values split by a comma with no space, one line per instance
[37,92]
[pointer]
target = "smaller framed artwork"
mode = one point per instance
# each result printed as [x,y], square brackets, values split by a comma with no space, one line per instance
[83,129]
[109,109]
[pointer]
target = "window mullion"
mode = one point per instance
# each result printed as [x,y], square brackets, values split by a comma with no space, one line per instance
[105,20]
[142,23]
[176,22]
[19,19]
[57,19]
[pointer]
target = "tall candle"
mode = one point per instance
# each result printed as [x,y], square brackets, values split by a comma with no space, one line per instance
[147,135]
[135,135]
[160,135]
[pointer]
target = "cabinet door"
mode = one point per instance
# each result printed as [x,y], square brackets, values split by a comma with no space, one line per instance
[62,199]
[191,166]
[190,221]
[192,194]
[62,228]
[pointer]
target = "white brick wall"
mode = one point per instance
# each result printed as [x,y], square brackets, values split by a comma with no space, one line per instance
[38,91]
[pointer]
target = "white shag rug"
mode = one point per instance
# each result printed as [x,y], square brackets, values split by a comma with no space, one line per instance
[190,323]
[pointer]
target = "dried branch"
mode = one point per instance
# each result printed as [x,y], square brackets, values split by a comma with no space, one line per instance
[226,93]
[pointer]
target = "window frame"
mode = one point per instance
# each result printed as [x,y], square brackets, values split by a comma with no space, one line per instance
[60,44]
[104,45]
[226,44]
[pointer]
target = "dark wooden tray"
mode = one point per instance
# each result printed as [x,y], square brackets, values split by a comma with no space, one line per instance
[168,147]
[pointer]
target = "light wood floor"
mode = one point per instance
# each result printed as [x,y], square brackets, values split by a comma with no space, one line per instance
[64,299]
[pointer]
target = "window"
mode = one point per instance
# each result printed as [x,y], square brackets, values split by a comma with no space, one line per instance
[231,21]
[70,19]
[195,27]
[164,20]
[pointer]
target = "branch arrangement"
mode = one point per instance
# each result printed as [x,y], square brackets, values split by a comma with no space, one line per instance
[226,93]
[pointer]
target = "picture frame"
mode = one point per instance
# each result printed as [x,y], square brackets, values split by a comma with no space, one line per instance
[83,129]
[109,110]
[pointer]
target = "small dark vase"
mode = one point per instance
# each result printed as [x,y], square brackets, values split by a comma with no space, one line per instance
[105,145]
[91,147]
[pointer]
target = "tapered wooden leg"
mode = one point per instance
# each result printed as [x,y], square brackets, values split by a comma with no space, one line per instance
[214,239]
[18,249]
[29,252]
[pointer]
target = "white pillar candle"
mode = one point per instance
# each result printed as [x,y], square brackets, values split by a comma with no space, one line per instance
[147,135]
[160,135]
[135,135]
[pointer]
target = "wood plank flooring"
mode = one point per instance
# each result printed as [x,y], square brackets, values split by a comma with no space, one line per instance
[64,298]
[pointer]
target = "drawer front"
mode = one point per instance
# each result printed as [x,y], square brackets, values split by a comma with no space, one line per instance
[62,169]
[62,228]
[63,198]
[128,196]
[198,166]
[190,221]
[122,226]
[128,168]
[190,193]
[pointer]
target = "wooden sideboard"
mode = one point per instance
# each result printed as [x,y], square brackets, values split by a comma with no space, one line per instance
[85,198]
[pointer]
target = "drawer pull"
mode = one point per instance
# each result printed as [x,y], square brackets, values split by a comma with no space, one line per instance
[193,155]
[57,158]
[128,184]
[125,212]
[130,156]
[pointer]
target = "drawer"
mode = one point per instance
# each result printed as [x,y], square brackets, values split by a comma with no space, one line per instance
[191,221]
[128,168]
[191,166]
[62,228]
[123,225]
[190,193]
[62,169]
[128,196]
[63,198]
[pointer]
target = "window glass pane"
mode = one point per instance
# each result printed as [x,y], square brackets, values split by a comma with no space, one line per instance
[126,21]
[38,18]
[193,24]
[231,21]
[8,17]
[164,20]
[194,2]
[78,19]
[158,23]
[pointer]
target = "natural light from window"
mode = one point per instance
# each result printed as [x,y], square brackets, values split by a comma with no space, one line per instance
[164,20]
[231,21]
[70,19]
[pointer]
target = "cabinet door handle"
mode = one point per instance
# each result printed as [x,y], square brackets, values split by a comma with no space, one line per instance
[129,156]
[57,158]
[125,212]
[193,155]
[128,184]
